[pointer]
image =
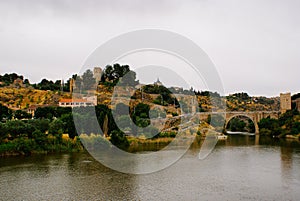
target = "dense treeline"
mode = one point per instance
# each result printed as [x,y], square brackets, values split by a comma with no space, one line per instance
[288,123]
[44,132]
[112,74]
[244,97]
[44,84]
[5,113]
[295,96]
[116,73]
[8,114]
[165,98]
[50,85]
[8,79]
[19,133]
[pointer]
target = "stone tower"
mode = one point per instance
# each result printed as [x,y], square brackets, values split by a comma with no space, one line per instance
[97,74]
[72,84]
[285,102]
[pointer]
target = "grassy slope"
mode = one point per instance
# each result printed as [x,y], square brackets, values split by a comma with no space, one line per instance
[23,97]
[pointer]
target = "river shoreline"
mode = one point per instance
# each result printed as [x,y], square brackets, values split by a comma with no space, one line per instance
[137,145]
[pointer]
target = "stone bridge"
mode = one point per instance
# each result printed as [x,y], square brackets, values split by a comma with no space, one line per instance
[254,116]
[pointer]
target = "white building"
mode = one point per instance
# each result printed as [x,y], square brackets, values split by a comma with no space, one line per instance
[75,103]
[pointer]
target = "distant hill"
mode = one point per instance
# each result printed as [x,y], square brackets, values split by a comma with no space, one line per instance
[17,93]
[244,102]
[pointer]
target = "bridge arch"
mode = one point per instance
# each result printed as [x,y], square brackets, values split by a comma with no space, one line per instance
[229,117]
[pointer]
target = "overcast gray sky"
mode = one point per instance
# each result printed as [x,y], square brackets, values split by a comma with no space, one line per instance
[255,44]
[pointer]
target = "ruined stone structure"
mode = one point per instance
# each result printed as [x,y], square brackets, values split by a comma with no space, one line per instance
[285,102]
[18,83]
[72,85]
[97,74]
[297,102]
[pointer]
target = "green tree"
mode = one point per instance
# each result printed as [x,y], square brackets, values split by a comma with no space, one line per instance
[3,131]
[269,126]
[40,139]
[5,113]
[19,114]
[250,126]
[295,128]
[88,80]
[113,73]
[44,112]
[40,124]
[129,79]
[16,128]
[140,115]
[24,146]
[78,82]
[56,127]
[237,125]
[10,78]
[101,112]
[69,125]
[118,139]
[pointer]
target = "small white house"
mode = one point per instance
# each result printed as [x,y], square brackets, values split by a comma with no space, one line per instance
[75,103]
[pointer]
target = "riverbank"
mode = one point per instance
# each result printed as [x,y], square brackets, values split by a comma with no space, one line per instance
[27,147]
[50,144]
[23,148]
[156,144]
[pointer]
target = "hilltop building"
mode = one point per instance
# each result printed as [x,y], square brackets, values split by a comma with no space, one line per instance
[285,102]
[158,83]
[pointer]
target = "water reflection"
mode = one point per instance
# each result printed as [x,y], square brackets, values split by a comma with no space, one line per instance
[90,180]
[286,156]
[62,176]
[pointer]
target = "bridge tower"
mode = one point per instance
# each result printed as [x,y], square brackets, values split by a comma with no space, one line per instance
[285,102]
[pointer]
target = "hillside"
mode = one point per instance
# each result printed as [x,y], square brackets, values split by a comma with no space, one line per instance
[22,98]
[17,93]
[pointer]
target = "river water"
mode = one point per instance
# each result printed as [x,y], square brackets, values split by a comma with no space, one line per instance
[240,168]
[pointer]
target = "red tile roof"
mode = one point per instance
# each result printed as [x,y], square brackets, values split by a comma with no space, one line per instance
[73,101]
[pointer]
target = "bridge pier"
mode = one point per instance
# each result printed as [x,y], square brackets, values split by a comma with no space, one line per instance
[255,120]
[256,139]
